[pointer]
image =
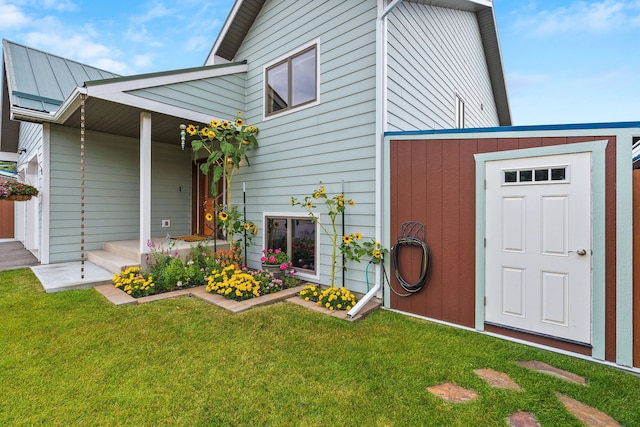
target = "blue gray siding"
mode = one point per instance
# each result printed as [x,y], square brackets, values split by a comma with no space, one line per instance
[328,142]
[218,96]
[112,191]
[445,48]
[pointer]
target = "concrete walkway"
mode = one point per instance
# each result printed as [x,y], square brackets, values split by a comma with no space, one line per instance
[53,277]
[14,255]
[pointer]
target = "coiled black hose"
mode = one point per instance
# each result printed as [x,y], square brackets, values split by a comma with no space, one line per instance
[426,263]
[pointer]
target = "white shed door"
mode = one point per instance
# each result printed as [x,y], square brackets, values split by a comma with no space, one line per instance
[538,245]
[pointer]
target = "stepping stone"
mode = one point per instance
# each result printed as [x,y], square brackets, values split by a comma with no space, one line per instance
[591,417]
[552,370]
[453,393]
[522,419]
[497,379]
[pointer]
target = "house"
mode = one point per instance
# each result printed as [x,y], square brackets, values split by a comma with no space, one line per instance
[401,105]
[357,72]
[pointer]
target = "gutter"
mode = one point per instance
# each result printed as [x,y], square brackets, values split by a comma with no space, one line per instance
[381,127]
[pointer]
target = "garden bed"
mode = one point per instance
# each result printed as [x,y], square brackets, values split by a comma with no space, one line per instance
[119,297]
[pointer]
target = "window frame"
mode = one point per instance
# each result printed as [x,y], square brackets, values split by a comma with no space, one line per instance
[289,216]
[459,111]
[315,44]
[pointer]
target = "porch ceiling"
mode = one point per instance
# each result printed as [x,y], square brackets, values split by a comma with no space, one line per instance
[118,119]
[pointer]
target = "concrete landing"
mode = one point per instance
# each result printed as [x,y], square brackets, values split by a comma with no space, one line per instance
[67,276]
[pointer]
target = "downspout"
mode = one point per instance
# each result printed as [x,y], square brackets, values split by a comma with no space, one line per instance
[381,127]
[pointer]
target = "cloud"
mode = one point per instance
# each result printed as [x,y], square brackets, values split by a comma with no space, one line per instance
[581,16]
[59,5]
[12,17]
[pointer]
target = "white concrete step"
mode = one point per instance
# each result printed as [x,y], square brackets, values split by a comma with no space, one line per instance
[110,261]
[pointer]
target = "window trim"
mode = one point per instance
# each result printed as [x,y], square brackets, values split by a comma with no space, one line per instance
[288,57]
[303,274]
[459,111]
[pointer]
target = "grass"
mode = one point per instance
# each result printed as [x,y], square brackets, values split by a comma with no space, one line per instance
[72,358]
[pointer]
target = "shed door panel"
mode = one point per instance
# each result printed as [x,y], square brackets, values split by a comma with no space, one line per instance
[538,250]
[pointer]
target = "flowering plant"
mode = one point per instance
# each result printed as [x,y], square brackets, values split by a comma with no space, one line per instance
[232,223]
[15,188]
[233,283]
[134,282]
[350,245]
[332,298]
[226,144]
[275,257]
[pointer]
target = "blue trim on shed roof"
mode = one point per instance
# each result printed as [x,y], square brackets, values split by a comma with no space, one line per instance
[574,126]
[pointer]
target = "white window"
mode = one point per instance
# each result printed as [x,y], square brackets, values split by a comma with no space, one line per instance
[292,82]
[296,235]
[459,112]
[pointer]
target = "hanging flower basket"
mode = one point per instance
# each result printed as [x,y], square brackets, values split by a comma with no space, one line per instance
[14,190]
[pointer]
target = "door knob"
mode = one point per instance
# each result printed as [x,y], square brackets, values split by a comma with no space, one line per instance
[580,252]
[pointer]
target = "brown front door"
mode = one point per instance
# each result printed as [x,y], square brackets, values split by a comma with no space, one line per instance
[204,203]
[6,219]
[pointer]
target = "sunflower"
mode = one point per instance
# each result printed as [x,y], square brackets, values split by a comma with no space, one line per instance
[211,133]
[191,130]
[292,201]
[223,216]
[208,217]
[351,203]
[248,226]
[224,125]
[239,122]
[346,239]
[376,254]
[309,205]
[357,236]
[214,123]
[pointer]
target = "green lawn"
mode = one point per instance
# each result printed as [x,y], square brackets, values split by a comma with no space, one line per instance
[72,358]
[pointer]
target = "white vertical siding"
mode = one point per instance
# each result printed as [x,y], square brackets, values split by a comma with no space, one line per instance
[329,142]
[435,53]
[111,191]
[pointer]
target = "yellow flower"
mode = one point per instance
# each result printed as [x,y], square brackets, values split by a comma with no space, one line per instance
[214,123]
[376,254]
[357,236]
[191,130]
[292,201]
[223,216]
[309,205]
[211,133]
[239,113]
[239,122]
[204,131]
[247,226]
[351,203]
[208,217]
[346,239]
[225,125]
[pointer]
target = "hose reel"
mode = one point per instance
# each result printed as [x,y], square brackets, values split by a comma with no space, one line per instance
[411,234]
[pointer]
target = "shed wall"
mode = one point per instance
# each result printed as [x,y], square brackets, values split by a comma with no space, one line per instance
[433,182]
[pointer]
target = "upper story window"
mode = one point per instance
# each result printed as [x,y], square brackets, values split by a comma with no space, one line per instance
[292,82]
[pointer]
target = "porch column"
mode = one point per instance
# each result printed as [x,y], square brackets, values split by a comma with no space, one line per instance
[145,180]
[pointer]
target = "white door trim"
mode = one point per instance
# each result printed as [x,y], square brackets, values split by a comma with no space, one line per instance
[597,149]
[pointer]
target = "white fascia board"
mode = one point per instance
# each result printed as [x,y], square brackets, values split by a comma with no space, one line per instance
[144,83]
[19,114]
[212,58]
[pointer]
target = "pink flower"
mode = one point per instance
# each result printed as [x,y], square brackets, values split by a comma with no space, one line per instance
[284,266]
[277,251]
[272,259]
[263,259]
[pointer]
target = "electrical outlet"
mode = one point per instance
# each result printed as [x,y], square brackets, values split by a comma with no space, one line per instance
[166,223]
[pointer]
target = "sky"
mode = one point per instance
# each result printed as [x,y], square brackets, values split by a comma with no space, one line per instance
[565,61]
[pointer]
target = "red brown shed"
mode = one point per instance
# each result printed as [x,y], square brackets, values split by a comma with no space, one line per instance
[529,232]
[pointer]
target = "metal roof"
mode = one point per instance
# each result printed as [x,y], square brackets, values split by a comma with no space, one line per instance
[41,81]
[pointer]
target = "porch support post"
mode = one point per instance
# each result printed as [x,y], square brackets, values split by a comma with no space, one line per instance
[145,180]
